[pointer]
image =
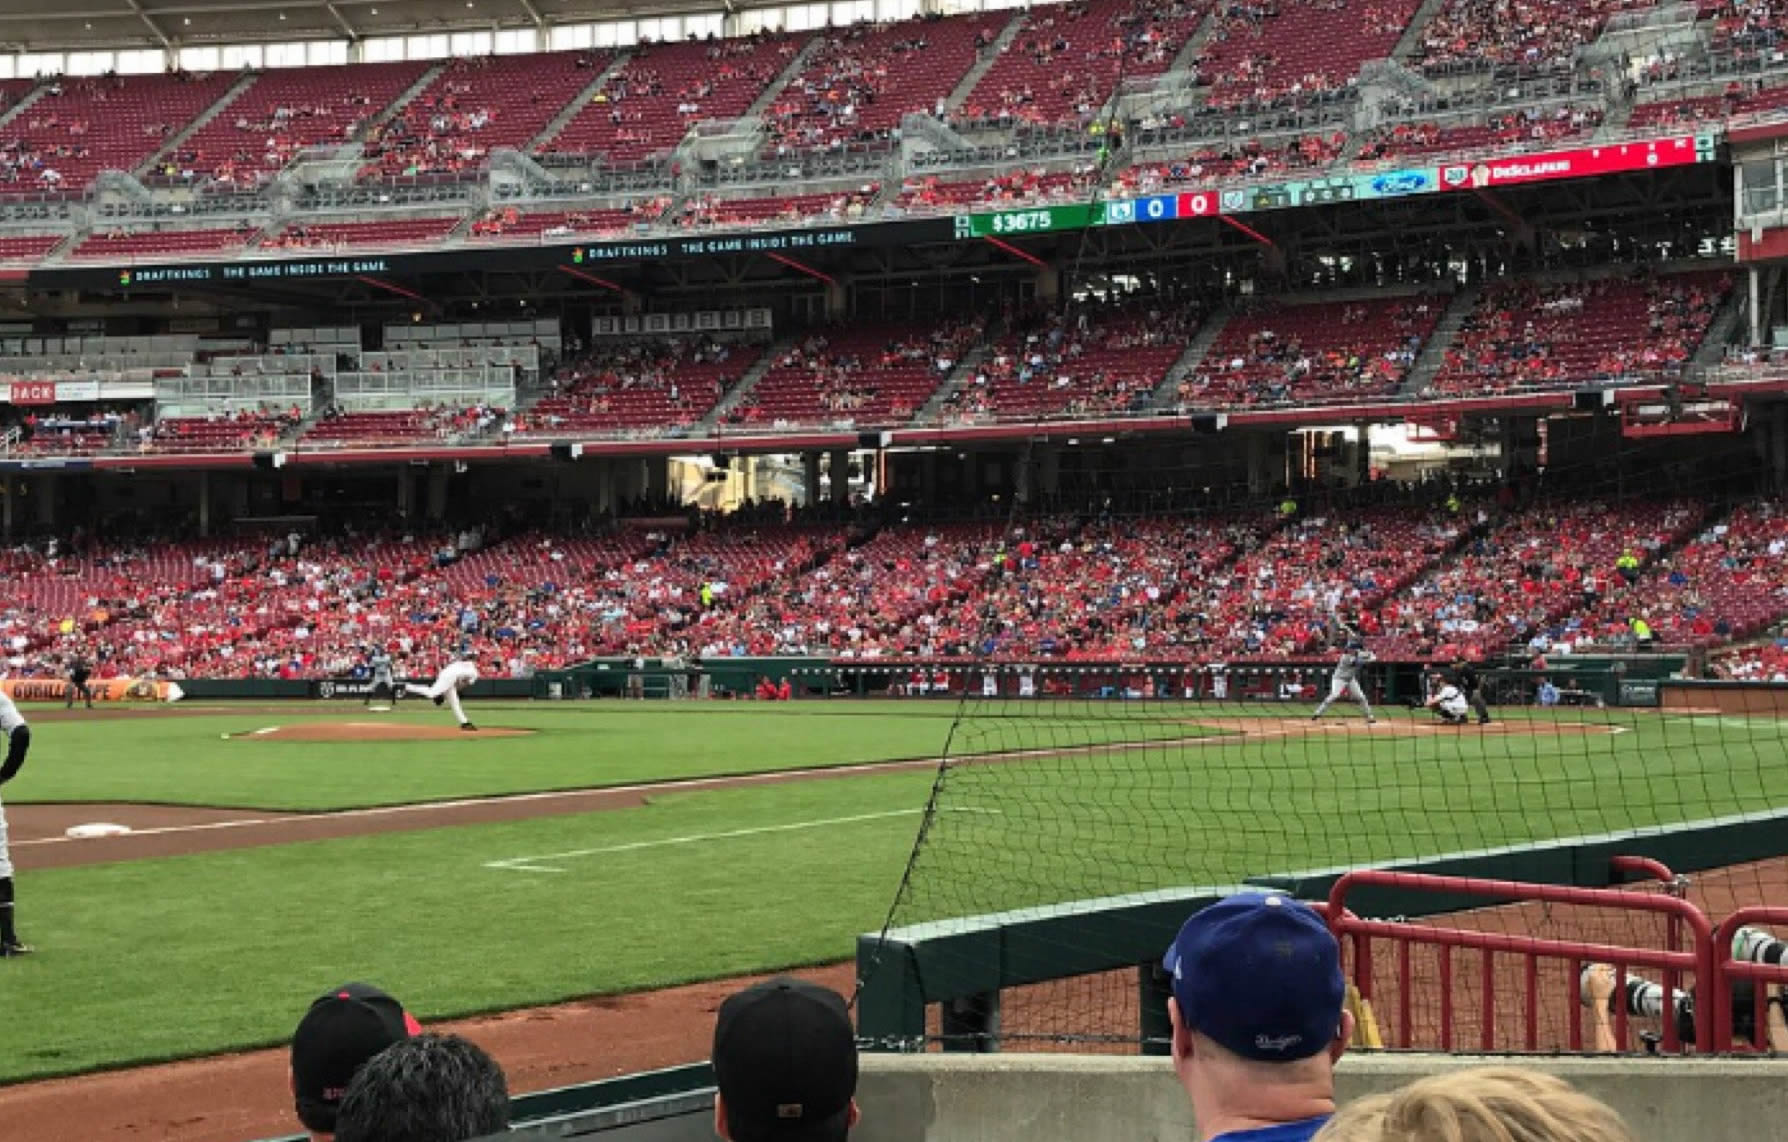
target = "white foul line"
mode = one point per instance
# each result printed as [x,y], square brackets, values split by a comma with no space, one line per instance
[539,863]
[673,785]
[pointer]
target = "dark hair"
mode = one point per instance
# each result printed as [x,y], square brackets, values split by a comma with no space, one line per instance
[430,1088]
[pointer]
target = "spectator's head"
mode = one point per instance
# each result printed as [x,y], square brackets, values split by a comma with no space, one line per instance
[429,1088]
[340,1032]
[1488,1104]
[785,1060]
[1258,1013]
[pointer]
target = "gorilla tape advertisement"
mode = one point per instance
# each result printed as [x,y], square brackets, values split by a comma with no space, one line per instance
[102,689]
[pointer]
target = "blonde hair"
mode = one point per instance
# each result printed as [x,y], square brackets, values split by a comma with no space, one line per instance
[1486,1104]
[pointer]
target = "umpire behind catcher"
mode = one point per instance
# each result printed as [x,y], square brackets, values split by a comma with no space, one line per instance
[1466,677]
[18,740]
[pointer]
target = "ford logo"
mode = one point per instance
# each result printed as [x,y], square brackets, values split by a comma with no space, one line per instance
[1401,182]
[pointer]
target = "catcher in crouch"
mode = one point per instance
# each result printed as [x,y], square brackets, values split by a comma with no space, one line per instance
[1448,702]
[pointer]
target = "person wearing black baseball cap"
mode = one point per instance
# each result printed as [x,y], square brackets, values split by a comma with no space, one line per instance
[336,1037]
[785,1060]
[1259,1018]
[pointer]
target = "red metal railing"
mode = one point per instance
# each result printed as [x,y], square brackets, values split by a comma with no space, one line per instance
[1672,961]
[1727,969]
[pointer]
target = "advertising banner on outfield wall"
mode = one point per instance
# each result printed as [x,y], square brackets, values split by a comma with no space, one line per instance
[103,690]
[324,689]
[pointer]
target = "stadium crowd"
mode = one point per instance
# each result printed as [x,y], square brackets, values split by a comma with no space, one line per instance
[1423,579]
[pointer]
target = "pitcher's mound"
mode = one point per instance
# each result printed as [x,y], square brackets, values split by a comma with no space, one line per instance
[373,732]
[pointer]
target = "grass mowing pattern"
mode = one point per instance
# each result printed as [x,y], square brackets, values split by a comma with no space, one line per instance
[184,761]
[1073,825]
[257,931]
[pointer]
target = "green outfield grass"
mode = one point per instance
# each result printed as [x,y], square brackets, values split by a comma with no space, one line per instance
[187,761]
[172,957]
[196,954]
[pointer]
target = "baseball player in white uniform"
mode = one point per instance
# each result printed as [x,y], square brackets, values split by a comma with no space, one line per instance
[18,741]
[1449,704]
[1346,680]
[458,676]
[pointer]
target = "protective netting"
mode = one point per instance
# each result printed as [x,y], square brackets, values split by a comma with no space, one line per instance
[1137,695]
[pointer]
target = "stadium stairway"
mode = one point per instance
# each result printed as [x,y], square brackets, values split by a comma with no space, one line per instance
[1411,43]
[569,112]
[796,67]
[1195,43]
[1193,356]
[18,108]
[983,65]
[964,369]
[409,95]
[730,399]
[1721,332]
[1434,353]
[62,249]
[178,139]
[1615,119]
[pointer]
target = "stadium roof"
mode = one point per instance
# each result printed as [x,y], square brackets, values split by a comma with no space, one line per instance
[33,25]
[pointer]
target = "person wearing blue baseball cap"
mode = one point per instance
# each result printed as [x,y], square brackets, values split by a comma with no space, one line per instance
[1259,1018]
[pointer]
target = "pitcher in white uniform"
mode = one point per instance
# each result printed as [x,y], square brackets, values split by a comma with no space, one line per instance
[18,741]
[457,676]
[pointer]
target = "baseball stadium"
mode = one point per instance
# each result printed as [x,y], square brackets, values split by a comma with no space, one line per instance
[524,519]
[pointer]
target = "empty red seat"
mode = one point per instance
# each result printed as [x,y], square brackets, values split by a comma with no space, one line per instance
[650,103]
[475,106]
[130,244]
[288,109]
[1067,58]
[81,126]
[396,232]
[1296,49]
[860,81]
[863,375]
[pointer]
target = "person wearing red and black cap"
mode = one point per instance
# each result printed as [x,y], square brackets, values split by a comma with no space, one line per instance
[785,1063]
[336,1037]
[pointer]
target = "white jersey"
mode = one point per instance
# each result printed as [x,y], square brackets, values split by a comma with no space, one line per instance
[1450,700]
[10,718]
[1352,662]
[458,675]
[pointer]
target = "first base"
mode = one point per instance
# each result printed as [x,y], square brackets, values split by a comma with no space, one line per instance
[89,832]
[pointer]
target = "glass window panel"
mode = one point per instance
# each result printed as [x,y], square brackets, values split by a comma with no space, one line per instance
[142,61]
[199,59]
[285,55]
[89,63]
[40,63]
[471,43]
